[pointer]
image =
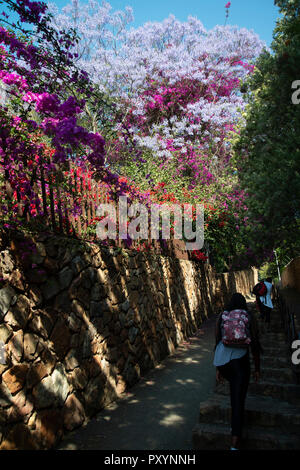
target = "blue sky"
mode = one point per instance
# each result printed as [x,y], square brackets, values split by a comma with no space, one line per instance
[259,15]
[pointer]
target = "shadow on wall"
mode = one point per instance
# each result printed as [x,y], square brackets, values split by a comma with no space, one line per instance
[82,323]
[290,276]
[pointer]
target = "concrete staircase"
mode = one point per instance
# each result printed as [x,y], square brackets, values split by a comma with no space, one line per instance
[272,416]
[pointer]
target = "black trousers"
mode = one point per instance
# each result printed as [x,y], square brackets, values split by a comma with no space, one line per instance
[237,372]
[266,313]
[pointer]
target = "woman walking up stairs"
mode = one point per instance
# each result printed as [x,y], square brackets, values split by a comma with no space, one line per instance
[272,405]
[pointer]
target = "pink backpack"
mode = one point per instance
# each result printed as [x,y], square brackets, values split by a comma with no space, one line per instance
[235,328]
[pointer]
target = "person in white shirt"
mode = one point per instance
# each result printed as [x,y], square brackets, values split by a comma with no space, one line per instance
[266,302]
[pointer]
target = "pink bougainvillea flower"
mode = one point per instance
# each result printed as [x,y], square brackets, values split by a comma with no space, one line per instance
[228,5]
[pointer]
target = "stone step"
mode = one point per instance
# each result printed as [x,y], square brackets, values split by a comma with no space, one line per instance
[275,328]
[281,391]
[268,388]
[218,437]
[275,335]
[281,336]
[279,374]
[275,351]
[275,321]
[274,361]
[273,344]
[259,411]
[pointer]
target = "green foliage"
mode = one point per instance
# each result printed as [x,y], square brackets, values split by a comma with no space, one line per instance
[268,270]
[268,149]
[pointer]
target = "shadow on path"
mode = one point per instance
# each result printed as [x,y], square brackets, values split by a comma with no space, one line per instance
[160,411]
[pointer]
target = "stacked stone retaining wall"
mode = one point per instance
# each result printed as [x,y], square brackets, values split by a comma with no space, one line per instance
[80,323]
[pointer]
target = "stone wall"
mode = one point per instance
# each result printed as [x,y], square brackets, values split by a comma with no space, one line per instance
[81,324]
[290,276]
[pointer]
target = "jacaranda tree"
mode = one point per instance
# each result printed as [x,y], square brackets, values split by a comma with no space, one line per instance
[177,92]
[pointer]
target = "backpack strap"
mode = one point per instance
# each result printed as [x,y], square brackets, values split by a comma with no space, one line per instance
[218,329]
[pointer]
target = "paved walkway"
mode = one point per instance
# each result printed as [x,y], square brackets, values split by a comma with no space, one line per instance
[161,410]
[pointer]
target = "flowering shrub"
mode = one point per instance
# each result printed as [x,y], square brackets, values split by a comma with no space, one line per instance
[44,102]
[174,104]
[177,86]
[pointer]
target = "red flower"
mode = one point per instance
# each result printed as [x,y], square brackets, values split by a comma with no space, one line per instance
[122,179]
[199,255]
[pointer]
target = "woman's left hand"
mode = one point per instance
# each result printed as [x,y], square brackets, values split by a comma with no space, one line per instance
[256,376]
[219,377]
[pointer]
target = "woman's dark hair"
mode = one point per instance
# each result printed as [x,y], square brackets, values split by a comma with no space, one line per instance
[237,302]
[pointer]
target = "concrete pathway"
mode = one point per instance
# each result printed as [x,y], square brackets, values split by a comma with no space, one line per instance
[160,411]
